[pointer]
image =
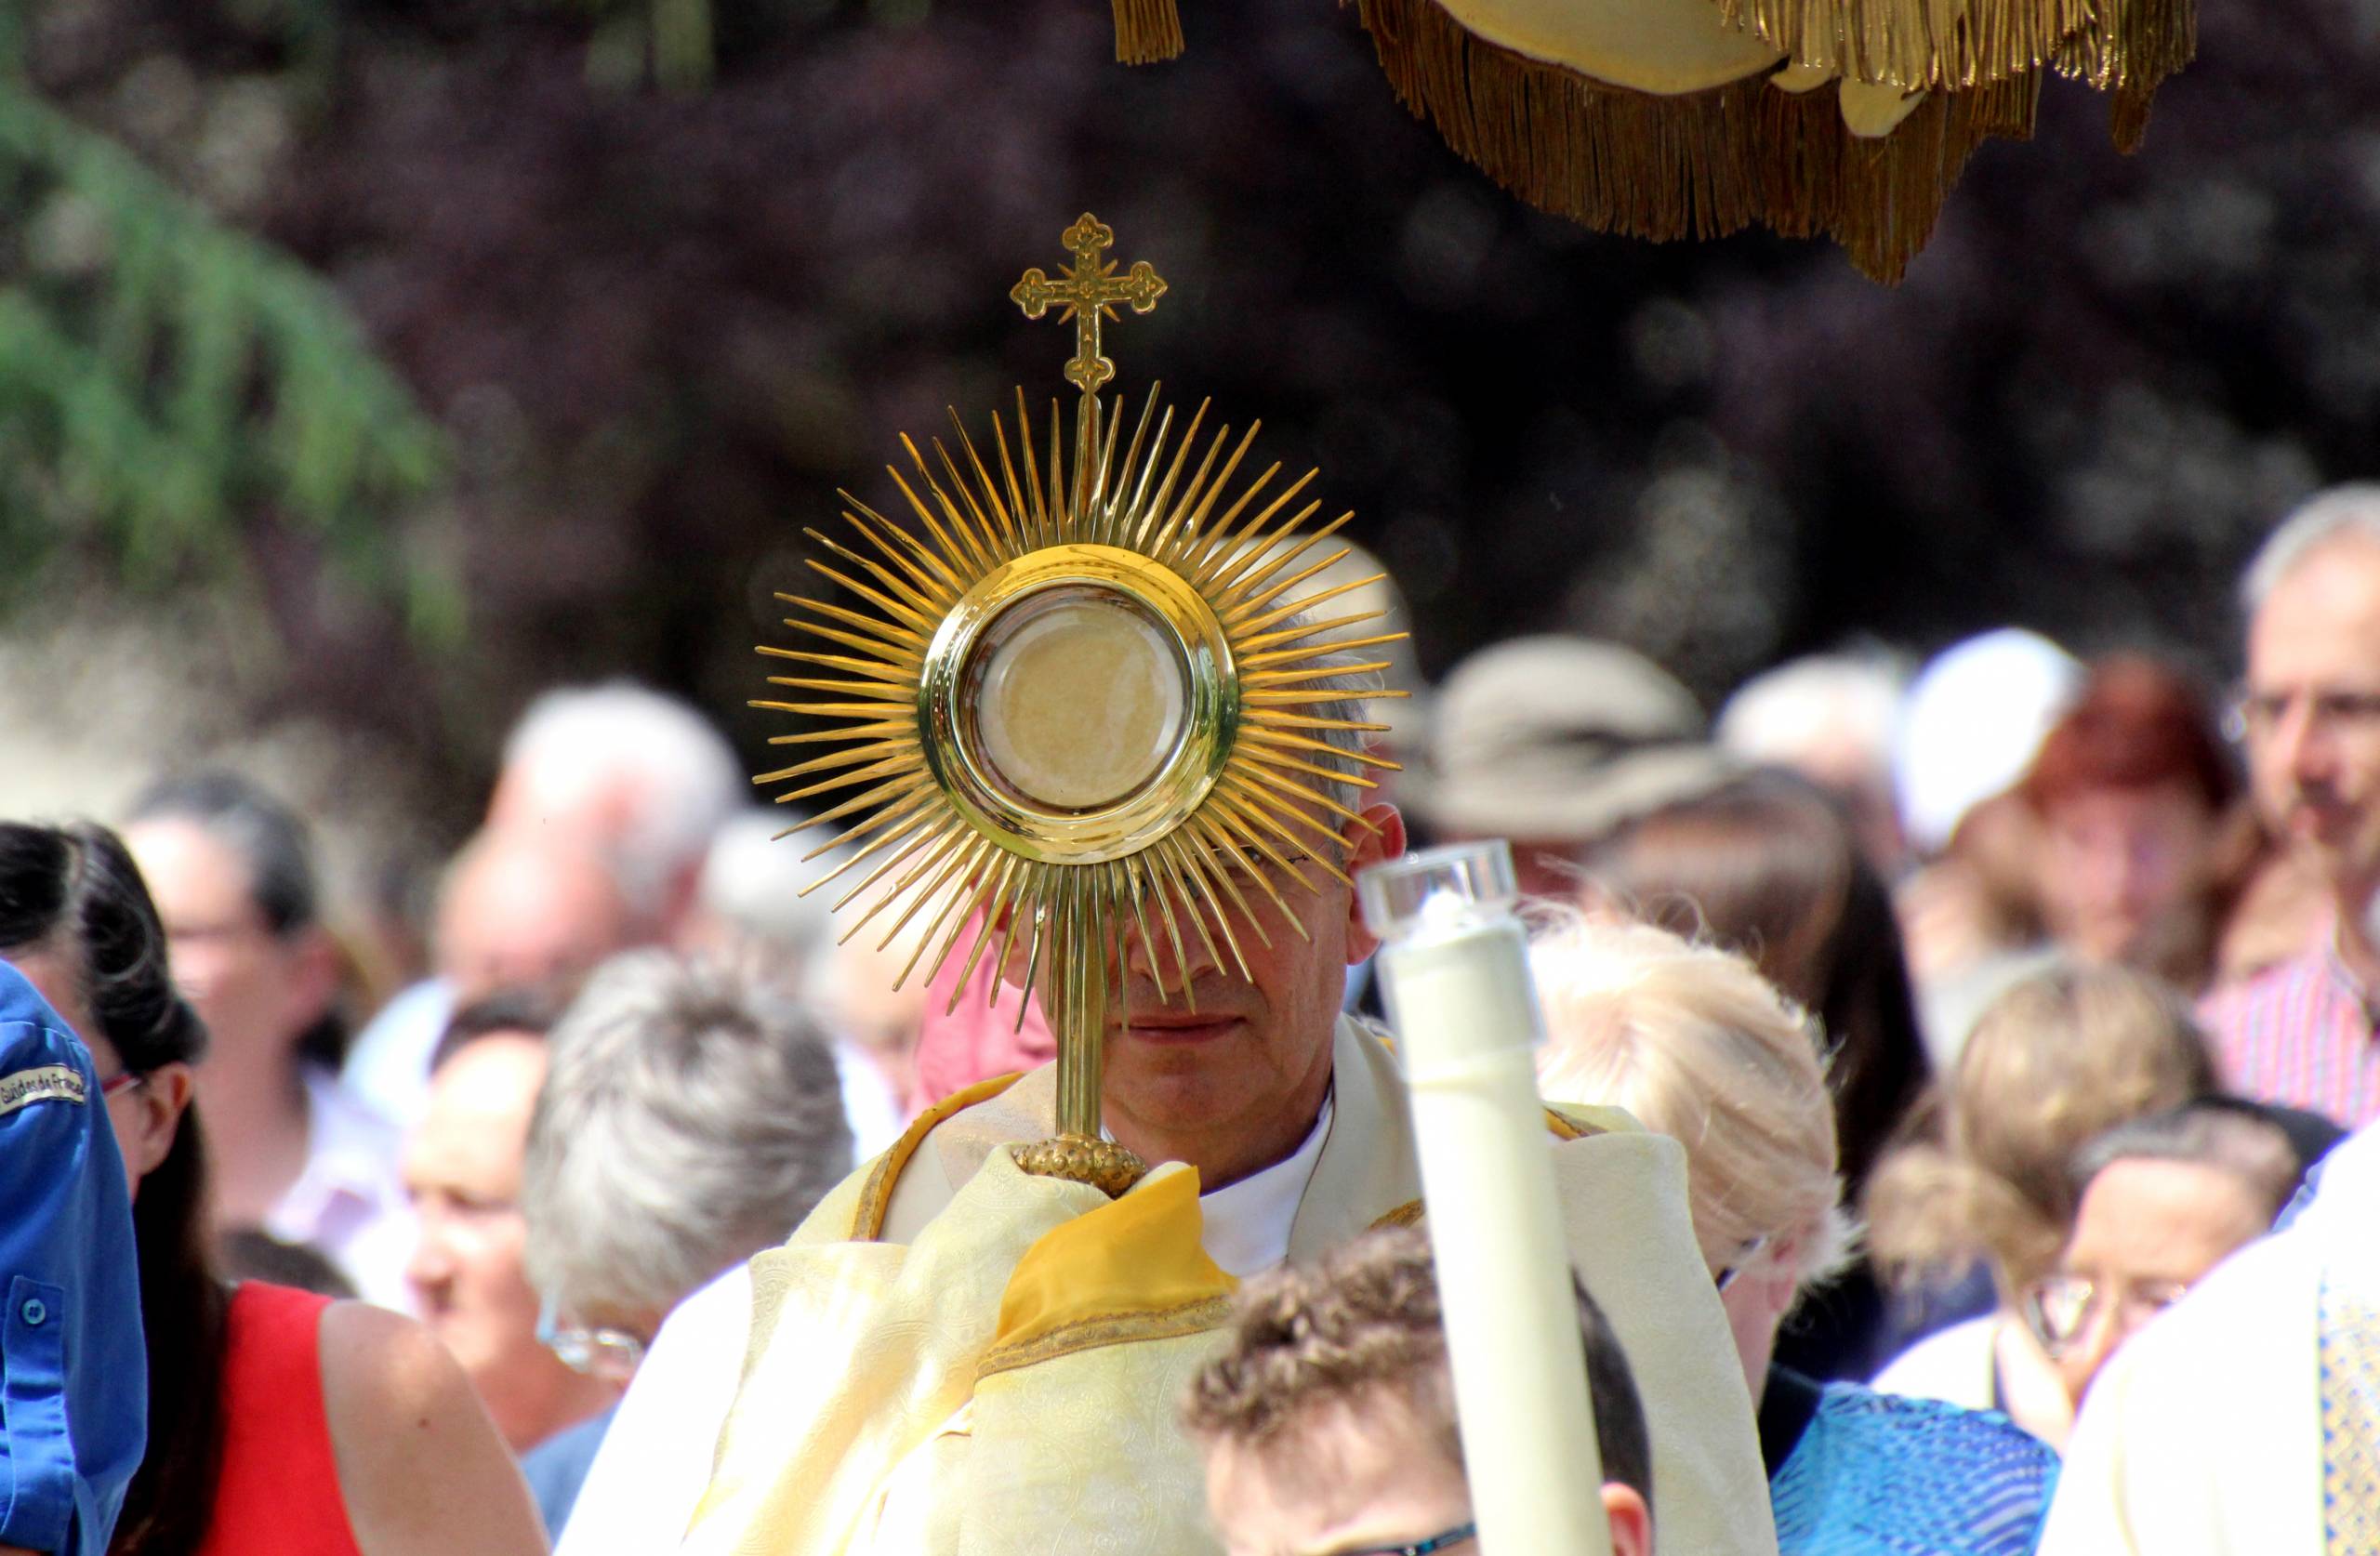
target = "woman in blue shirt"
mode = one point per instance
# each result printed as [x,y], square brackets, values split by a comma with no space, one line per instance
[73,1396]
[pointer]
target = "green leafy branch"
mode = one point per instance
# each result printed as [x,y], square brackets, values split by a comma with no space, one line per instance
[172,379]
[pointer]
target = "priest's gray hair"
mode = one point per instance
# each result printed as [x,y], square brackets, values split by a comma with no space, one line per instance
[688,1120]
[2327,516]
[1361,686]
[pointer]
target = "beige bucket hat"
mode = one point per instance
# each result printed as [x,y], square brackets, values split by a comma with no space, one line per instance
[1558,739]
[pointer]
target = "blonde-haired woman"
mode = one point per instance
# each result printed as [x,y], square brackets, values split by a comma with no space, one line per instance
[1698,1045]
[2052,1062]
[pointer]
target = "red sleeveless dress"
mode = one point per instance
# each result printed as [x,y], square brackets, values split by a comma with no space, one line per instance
[277,1494]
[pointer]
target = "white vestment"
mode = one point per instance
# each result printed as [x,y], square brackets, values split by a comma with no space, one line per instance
[1624,1208]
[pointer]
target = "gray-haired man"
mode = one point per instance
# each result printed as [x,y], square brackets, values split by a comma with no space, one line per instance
[2303,1033]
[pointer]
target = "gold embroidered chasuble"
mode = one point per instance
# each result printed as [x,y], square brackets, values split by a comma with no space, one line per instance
[951,1357]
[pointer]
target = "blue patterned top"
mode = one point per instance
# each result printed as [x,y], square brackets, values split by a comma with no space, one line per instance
[1870,1475]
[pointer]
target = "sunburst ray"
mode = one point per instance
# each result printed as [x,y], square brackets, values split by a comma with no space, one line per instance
[1170,491]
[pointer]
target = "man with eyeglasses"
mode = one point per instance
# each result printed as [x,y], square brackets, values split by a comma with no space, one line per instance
[690,1116]
[2306,1032]
[1327,1419]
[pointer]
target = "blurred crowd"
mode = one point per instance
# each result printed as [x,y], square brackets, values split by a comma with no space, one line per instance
[1998,999]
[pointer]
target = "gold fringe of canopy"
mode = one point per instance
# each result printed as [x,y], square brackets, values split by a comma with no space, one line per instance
[2126,46]
[1701,165]
[1146,31]
[2154,40]
[1667,119]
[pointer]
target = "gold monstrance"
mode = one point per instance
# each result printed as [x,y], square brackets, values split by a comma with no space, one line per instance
[1078,701]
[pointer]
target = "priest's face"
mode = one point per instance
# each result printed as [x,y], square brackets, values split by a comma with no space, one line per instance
[1232,1079]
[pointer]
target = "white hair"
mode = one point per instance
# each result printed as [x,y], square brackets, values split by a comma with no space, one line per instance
[1363,691]
[751,883]
[2327,516]
[1775,717]
[1694,1043]
[1971,724]
[686,1121]
[684,778]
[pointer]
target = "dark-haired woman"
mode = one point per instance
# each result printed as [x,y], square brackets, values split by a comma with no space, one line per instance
[231,872]
[280,1423]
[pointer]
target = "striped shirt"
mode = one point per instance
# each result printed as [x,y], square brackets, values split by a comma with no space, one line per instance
[2302,1032]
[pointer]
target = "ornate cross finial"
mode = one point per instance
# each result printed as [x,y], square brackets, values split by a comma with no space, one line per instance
[1090,292]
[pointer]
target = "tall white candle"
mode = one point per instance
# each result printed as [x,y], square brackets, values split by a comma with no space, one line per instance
[1455,971]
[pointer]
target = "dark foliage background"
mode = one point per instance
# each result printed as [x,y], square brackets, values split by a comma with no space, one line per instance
[659,327]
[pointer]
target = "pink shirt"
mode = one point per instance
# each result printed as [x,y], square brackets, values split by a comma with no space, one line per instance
[980,1038]
[2303,1034]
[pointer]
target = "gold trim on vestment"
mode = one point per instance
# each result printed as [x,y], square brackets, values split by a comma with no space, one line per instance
[1090,1334]
[868,1219]
[1559,1124]
[1563,1127]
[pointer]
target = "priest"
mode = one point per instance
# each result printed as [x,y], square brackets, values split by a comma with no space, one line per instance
[953,1356]
[1087,710]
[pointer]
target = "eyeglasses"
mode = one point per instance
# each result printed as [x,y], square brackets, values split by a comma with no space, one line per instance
[2058,1309]
[596,1350]
[1743,1260]
[122,1082]
[1446,1541]
[2255,715]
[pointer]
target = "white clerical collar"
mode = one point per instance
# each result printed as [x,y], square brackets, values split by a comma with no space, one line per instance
[1248,1222]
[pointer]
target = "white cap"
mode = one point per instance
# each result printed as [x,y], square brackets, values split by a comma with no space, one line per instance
[1973,722]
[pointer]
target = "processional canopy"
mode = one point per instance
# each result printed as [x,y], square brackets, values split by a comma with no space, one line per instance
[1669,119]
[1088,695]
